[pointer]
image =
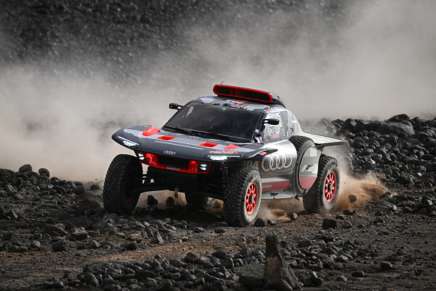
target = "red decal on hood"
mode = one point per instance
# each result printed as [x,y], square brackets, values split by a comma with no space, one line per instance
[208,144]
[230,147]
[150,131]
[166,137]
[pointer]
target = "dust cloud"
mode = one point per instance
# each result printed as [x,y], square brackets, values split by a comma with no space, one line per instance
[376,60]
[356,192]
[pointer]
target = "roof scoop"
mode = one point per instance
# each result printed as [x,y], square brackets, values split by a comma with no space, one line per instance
[241,93]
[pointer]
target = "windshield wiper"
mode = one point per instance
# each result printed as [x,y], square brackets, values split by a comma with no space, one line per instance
[219,136]
[206,134]
[178,129]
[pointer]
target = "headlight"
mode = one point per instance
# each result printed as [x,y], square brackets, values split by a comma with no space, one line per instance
[128,142]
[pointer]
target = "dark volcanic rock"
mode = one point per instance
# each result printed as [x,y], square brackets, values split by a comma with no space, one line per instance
[59,245]
[151,201]
[329,223]
[260,222]
[43,172]
[278,273]
[252,275]
[25,169]
[79,234]
[401,149]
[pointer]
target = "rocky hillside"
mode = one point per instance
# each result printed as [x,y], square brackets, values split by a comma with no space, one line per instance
[117,34]
[402,150]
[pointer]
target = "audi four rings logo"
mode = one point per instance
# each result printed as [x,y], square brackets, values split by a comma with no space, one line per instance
[276,162]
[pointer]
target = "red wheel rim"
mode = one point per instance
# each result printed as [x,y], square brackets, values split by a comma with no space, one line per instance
[251,198]
[330,186]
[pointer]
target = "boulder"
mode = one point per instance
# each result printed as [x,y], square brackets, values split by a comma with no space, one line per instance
[278,273]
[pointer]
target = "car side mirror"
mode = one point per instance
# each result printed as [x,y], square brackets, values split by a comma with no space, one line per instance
[271,121]
[175,106]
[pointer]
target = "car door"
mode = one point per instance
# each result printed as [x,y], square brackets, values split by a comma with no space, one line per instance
[280,163]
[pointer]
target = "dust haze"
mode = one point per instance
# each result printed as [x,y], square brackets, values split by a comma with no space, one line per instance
[377,60]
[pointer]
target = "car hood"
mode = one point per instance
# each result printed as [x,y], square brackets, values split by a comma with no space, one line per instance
[152,140]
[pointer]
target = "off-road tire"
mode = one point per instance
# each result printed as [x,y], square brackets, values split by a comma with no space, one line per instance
[124,174]
[196,201]
[302,144]
[235,194]
[314,201]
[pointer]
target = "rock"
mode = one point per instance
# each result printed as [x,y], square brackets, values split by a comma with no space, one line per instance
[251,275]
[27,168]
[260,222]
[277,273]
[35,245]
[219,230]
[56,229]
[349,212]
[191,258]
[151,201]
[90,279]
[130,246]
[328,223]
[113,287]
[399,118]
[43,172]
[53,284]
[10,189]
[8,213]
[352,198]
[312,280]
[94,244]
[94,187]
[386,266]
[293,216]
[198,229]
[221,254]
[136,236]
[157,238]
[347,224]
[78,188]
[59,246]
[358,274]
[401,128]
[79,233]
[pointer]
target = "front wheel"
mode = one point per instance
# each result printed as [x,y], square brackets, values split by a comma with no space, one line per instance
[124,175]
[243,197]
[323,194]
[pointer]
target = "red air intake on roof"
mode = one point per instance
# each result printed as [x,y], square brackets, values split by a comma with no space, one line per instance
[242,93]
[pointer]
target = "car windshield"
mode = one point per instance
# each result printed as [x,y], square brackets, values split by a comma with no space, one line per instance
[222,122]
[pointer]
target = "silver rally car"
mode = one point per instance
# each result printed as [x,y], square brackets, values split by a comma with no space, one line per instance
[240,145]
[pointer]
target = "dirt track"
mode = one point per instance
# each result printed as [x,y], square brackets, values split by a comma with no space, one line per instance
[363,243]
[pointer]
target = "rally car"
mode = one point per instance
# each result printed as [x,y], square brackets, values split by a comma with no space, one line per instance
[239,145]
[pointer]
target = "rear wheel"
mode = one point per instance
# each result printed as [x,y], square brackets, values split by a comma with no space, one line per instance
[124,175]
[323,194]
[196,201]
[243,197]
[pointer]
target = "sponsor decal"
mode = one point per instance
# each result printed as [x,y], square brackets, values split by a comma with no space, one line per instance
[276,162]
[169,153]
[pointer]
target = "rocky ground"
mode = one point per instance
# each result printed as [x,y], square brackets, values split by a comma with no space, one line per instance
[54,233]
